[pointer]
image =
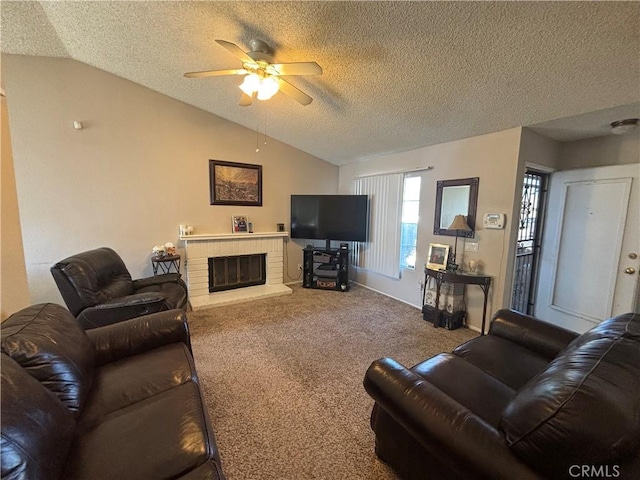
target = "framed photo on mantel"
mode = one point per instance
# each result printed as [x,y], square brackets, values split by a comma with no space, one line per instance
[235,183]
[239,224]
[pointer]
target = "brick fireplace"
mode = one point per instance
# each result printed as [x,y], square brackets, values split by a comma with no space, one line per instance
[201,248]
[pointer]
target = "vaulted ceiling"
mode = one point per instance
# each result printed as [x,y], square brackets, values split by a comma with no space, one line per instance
[397,75]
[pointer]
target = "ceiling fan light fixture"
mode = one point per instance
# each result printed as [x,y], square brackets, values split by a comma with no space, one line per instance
[268,88]
[262,75]
[624,126]
[251,84]
[265,86]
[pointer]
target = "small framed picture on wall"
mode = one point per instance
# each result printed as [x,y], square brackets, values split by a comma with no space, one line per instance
[239,224]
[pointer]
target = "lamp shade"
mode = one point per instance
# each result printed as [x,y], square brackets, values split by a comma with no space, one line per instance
[460,224]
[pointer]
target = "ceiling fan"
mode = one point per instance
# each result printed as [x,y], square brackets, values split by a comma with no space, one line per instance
[263,77]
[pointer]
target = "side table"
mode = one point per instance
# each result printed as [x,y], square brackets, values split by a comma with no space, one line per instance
[165,263]
[441,276]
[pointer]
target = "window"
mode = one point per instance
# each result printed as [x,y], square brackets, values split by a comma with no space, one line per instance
[409,223]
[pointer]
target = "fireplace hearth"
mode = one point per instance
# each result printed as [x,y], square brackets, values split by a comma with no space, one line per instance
[236,271]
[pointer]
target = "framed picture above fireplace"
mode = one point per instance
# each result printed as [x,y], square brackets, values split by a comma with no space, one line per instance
[235,183]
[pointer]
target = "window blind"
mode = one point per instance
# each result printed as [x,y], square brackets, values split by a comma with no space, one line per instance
[381,254]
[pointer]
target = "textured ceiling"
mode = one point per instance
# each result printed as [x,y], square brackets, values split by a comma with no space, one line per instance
[397,75]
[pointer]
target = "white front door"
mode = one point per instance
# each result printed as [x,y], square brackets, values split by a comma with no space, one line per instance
[589,258]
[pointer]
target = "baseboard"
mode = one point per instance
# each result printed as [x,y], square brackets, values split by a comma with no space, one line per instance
[470,327]
[387,295]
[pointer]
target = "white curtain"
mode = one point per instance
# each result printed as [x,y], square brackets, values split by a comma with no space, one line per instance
[381,254]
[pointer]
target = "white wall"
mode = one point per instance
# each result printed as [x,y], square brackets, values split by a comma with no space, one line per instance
[600,151]
[494,159]
[138,169]
[538,150]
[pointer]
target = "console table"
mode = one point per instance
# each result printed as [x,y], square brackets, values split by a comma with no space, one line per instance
[483,281]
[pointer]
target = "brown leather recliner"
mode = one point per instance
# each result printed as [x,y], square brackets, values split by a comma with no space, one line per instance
[116,402]
[98,289]
[529,400]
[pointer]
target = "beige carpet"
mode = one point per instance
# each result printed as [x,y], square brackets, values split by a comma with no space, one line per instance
[282,378]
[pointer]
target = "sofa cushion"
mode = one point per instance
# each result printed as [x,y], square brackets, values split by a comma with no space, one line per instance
[36,427]
[585,405]
[495,355]
[51,346]
[121,383]
[164,436]
[622,325]
[474,389]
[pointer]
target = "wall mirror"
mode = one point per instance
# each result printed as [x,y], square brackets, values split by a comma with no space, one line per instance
[456,197]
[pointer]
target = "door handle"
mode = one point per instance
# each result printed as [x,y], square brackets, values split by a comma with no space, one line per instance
[630,270]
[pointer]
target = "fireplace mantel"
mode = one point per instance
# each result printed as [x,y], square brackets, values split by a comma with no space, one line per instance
[200,247]
[230,236]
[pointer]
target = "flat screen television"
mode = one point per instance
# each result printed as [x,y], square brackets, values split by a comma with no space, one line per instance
[330,217]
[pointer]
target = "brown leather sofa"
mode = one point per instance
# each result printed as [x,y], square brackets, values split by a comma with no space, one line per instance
[117,402]
[529,400]
[97,289]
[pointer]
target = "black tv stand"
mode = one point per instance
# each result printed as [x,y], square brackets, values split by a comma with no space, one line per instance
[325,268]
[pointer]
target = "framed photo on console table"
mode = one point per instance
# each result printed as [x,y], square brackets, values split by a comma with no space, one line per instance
[235,183]
[438,256]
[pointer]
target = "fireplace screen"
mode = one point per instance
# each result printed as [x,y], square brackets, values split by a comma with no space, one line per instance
[227,273]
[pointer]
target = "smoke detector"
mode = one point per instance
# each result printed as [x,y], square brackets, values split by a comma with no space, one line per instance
[624,126]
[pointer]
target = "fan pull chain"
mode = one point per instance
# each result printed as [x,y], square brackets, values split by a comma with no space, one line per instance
[265,126]
[258,137]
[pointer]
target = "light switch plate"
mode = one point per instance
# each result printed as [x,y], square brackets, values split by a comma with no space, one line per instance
[471,247]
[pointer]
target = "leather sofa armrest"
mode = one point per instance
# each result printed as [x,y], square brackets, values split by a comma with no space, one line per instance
[130,300]
[122,308]
[156,280]
[442,425]
[530,332]
[139,335]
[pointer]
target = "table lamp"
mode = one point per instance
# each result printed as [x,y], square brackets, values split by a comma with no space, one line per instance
[459,224]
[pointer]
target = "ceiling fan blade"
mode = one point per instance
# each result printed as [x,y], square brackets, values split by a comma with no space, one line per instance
[295,93]
[297,68]
[246,100]
[236,51]
[215,73]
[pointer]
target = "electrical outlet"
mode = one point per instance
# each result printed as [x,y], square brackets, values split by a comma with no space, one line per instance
[299,266]
[471,247]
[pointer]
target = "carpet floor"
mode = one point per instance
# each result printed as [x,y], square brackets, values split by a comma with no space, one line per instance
[282,379]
